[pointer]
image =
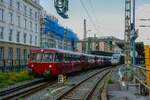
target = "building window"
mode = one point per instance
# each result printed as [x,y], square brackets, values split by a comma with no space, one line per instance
[36,28]
[1,14]
[1,32]
[30,39]
[11,3]
[10,34]
[17,53]
[31,25]
[1,54]
[25,37]
[18,21]
[18,37]
[35,40]
[18,6]
[36,15]
[25,55]
[11,17]
[25,9]
[30,13]
[10,53]
[25,23]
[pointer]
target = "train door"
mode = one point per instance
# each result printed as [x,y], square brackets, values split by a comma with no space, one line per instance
[61,63]
[67,66]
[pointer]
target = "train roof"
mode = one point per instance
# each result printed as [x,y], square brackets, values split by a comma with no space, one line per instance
[54,50]
[40,50]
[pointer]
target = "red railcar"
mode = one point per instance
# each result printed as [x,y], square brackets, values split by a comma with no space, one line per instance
[52,62]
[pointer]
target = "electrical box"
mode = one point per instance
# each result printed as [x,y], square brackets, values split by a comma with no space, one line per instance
[147,63]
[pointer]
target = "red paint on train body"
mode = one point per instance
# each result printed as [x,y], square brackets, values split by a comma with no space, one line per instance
[52,62]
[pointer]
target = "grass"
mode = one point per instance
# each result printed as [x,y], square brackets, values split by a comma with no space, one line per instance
[11,78]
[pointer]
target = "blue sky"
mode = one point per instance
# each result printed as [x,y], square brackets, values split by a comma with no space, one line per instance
[109,13]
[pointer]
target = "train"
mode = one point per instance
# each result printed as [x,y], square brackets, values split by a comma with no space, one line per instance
[52,62]
[117,58]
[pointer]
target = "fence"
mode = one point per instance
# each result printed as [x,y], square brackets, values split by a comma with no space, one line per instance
[12,65]
[141,75]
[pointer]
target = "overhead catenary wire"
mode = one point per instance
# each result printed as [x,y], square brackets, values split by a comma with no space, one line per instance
[89,16]
[94,13]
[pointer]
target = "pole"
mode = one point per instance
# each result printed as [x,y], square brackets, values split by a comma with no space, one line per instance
[134,60]
[85,32]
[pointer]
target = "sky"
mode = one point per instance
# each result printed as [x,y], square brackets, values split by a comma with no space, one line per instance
[107,16]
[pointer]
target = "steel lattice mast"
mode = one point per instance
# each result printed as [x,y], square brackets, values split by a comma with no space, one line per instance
[127,45]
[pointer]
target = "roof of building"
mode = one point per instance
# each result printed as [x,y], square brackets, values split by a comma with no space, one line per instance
[105,38]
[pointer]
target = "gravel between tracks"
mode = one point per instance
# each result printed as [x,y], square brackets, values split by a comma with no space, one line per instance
[51,92]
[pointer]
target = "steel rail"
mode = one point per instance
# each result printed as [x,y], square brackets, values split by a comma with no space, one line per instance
[90,93]
[23,92]
[67,92]
[19,87]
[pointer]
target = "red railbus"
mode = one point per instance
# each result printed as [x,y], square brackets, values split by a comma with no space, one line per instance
[52,62]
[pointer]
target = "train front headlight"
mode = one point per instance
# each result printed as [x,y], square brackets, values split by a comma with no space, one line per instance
[50,66]
[32,66]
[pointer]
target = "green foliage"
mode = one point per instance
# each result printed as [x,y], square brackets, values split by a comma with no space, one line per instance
[110,81]
[11,78]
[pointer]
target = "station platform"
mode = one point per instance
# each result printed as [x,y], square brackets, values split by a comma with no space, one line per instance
[119,90]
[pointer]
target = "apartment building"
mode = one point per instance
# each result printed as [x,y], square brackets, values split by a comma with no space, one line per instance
[19,29]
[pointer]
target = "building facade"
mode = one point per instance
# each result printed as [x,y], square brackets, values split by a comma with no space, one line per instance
[54,35]
[107,44]
[19,29]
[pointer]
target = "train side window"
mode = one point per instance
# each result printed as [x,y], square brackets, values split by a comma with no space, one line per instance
[58,57]
[65,57]
[70,57]
[73,58]
[78,58]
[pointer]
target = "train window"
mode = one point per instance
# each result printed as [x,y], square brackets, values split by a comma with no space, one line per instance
[36,57]
[48,57]
[66,57]
[73,57]
[58,57]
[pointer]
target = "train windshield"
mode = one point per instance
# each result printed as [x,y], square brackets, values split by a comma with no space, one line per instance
[115,56]
[45,57]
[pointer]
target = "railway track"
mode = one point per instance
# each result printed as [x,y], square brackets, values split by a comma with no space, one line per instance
[86,88]
[24,90]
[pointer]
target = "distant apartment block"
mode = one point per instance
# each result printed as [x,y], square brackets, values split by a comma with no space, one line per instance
[107,44]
